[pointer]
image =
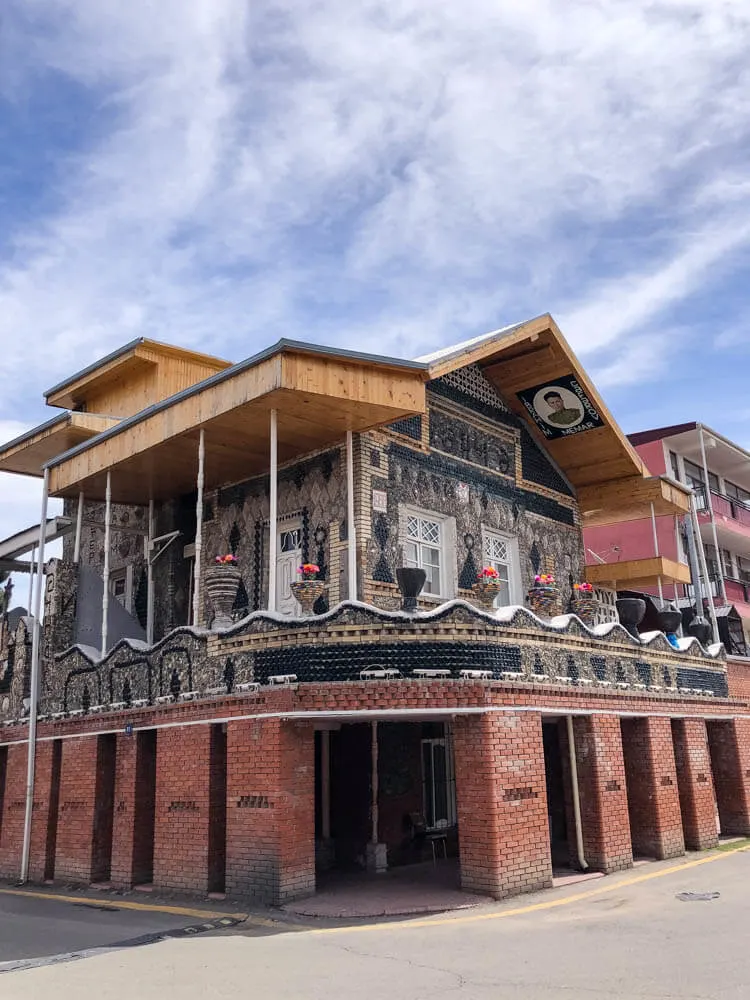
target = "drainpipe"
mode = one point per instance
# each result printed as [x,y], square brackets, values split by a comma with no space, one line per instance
[576,798]
[710,502]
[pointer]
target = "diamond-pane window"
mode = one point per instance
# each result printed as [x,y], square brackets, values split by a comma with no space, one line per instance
[422,549]
[498,555]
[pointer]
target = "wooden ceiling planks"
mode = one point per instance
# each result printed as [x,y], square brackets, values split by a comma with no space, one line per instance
[634,574]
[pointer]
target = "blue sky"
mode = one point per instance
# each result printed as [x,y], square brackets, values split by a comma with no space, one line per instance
[391,176]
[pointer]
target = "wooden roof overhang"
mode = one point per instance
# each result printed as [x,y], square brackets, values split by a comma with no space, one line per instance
[319,394]
[26,455]
[527,361]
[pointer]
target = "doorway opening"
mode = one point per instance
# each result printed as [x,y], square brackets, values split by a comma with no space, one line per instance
[50,847]
[638,781]
[217,805]
[104,810]
[412,816]
[559,799]
[288,559]
[726,767]
[145,807]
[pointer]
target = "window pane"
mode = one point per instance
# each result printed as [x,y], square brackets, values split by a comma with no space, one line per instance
[428,784]
[675,465]
[412,527]
[410,554]
[440,800]
[432,584]
[430,531]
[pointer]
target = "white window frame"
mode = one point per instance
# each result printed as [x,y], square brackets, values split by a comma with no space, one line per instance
[513,563]
[447,548]
[449,821]
[125,574]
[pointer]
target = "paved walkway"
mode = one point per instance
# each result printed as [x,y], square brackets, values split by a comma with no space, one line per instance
[627,937]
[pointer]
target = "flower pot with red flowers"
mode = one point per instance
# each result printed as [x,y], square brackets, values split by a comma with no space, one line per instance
[308,588]
[222,581]
[487,588]
[584,603]
[544,596]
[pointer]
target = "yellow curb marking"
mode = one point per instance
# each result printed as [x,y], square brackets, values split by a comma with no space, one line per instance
[534,907]
[178,911]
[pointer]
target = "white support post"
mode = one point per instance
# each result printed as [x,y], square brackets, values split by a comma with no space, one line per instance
[325,783]
[36,613]
[200,483]
[273,514]
[703,568]
[350,529]
[31,578]
[79,528]
[710,504]
[107,535]
[150,575]
[656,550]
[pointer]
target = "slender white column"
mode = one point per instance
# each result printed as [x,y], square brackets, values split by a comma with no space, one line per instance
[31,580]
[325,783]
[350,529]
[701,554]
[710,505]
[375,784]
[273,515]
[150,575]
[107,535]
[36,613]
[79,527]
[199,527]
[656,549]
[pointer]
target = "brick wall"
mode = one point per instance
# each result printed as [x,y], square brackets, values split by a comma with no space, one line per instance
[653,795]
[13,805]
[75,829]
[270,810]
[738,676]
[603,793]
[135,792]
[695,783]
[181,858]
[46,810]
[502,804]
[729,747]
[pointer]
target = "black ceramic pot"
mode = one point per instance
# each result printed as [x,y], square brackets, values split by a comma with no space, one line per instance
[700,629]
[631,611]
[410,583]
[669,620]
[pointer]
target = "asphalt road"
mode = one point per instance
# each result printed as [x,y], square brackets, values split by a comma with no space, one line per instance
[627,937]
[32,928]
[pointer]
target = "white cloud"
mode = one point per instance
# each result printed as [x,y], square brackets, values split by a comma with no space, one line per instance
[392,176]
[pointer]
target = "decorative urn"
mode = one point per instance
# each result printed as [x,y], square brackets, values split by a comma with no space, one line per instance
[308,589]
[584,603]
[222,581]
[544,596]
[631,611]
[486,588]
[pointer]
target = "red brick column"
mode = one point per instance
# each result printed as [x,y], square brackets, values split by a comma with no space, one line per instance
[13,806]
[653,794]
[729,746]
[45,813]
[695,783]
[501,795]
[603,793]
[270,810]
[181,856]
[123,827]
[77,813]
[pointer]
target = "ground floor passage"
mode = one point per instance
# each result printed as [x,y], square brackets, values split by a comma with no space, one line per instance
[271,809]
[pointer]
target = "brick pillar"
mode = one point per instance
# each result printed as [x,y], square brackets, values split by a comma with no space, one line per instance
[45,813]
[502,803]
[729,746]
[695,783]
[77,814]
[123,829]
[603,793]
[270,810]
[183,757]
[13,808]
[653,795]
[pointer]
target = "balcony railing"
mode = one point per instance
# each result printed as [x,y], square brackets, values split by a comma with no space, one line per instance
[737,590]
[735,510]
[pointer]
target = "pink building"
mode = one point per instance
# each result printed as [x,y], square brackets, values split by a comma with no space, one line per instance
[719,472]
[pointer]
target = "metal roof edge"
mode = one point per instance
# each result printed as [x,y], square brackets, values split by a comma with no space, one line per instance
[59,419]
[89,369]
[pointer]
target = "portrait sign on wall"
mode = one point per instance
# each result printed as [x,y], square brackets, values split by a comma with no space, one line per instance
[561,408]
